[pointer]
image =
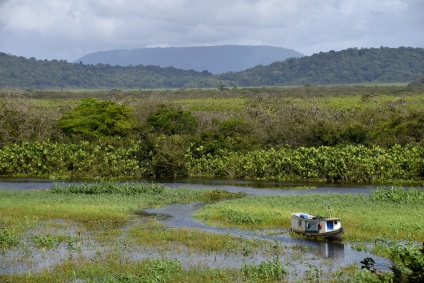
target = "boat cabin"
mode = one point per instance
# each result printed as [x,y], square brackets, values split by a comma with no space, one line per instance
[328,227]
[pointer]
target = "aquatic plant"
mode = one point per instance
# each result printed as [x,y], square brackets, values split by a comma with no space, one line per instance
[109,188]
[266,271]
[408,263]
[398,195]
[8,238]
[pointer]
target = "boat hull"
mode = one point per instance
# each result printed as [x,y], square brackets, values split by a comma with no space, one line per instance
[333,235]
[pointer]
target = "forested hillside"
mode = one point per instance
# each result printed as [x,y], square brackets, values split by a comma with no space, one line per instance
[215,59]
[31,73]
[375,65]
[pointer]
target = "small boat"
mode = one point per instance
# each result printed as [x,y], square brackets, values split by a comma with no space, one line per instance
[317,226]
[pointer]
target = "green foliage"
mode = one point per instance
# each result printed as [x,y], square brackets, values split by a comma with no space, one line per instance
[31,73]
[8,238]
[155,271]
[249,118]
[94,119]
[76,160]
[53,241]
[270,270]
[399,195]
[172,122]
[222,194]
[109,188]
[408,263]
[352,65]
[216,143]
[168,157]
[238,217]
[342,163]
[232,127]
[321,133]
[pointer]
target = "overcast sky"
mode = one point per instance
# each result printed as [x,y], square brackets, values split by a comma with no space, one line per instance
[69,29]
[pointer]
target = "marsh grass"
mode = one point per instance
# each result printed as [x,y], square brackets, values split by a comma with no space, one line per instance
[110,188]
[21,209]
[365,218]
[92,205]
[266,271]
[8,238]
[154,271]
[194,240]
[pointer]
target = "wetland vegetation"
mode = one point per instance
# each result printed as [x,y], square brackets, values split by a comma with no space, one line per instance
[92,233]
[335,133]
[362,134]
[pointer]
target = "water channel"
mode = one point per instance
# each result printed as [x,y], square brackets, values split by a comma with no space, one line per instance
[180,216]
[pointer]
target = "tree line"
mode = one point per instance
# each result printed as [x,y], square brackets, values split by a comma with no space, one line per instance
[353,65]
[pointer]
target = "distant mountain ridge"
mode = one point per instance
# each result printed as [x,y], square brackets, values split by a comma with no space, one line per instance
[215,59]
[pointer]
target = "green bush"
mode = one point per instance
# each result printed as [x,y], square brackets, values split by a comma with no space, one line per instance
[408,263]
[94,119]
[172,122]
[398,195]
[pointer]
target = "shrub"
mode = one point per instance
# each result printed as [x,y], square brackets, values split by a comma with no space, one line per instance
[171,122]
[94,119]
[408,263]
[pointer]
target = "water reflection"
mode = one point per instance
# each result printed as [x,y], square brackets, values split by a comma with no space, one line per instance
[331,250]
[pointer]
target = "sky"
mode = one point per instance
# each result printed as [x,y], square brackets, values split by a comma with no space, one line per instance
[69,29]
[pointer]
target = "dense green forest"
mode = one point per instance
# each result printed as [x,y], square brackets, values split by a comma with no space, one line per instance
[375,65]
[324,133]
[43,74]
[352,65]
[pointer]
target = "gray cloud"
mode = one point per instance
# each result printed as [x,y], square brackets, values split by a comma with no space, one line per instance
[68,29]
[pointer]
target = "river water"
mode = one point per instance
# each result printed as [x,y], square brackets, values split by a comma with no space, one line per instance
[181,215]
[234,186]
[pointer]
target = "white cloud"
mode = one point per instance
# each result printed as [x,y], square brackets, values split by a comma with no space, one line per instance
[68,29]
